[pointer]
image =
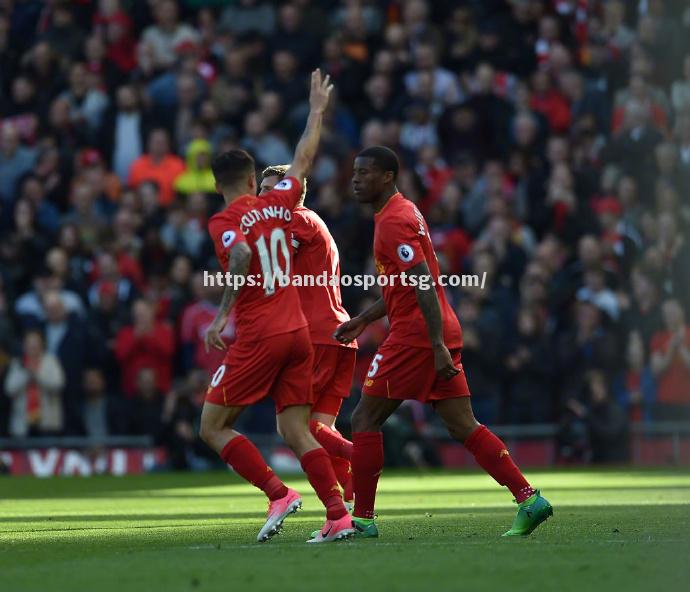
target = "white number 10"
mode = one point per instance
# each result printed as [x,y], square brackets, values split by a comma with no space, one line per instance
[270,266]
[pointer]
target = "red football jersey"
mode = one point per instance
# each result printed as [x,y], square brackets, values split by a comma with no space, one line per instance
[401,241]
[316,253]
[262,309]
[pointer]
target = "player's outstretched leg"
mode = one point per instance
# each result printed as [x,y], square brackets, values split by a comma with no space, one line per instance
[367,459]
[492,455]
[246,460]
[294,427]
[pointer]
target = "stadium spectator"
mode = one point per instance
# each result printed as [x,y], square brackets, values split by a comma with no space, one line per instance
[605,420]
[589,345]
[30,306]
[680,91]
[159,165]
[249,16]
[95,409]
[87,103]
[22,109]
[184,229]
[639,389]
[671,364]
[60,31]
[530,364]
[34,382]
[168,34]
[643,314]
[15,161]
[266,147]
[47,216]
[179,419]
[145,344]
[113,24]
[198,177]
[146,405]
[123,131]
[291,36]
[482,350]
[284,78]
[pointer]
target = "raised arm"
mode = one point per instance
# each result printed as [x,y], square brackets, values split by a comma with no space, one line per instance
[238,266]
[309,142]
[431,309]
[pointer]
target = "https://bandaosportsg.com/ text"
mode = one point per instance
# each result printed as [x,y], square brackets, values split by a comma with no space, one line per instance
[364,281]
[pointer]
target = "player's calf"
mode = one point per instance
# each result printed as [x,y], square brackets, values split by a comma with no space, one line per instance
[330,439]
[493,456]
[314,460]
[245,459]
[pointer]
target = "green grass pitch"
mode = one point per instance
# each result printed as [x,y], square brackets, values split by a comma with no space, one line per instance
[612,530]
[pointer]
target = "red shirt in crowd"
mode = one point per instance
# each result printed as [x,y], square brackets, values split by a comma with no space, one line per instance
[673,385]
[554,106]
[153,350]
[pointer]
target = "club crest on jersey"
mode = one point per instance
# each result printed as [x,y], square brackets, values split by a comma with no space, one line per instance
[406,253]
[284,185]
[228,238]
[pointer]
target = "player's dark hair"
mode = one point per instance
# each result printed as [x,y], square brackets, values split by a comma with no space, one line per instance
[231,167]
[384,159]
[279,170]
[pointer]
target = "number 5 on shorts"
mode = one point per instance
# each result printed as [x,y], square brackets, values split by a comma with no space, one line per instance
[374,365]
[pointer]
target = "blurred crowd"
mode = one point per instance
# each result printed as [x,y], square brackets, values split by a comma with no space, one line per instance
[547,142]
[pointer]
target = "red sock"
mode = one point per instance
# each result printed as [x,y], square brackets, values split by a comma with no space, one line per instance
[492,455]
[343,472]
[367,465]
[317,465]
[247,462]
[331,440]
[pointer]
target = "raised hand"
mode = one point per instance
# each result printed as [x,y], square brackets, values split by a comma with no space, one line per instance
[320,91]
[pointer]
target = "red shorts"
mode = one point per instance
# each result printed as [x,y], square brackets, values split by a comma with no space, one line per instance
[403,372]
[279,366]
[334,367]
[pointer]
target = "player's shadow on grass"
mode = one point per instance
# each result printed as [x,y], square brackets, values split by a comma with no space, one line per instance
[315,511]
[48,519]
[444,491]
[440,491]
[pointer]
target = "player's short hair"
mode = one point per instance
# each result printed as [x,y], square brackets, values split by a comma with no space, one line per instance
[384,159]
[279,170]
[231,167]
[276,170]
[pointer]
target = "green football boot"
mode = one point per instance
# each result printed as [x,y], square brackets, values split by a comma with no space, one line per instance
[365,528]
[531,513]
